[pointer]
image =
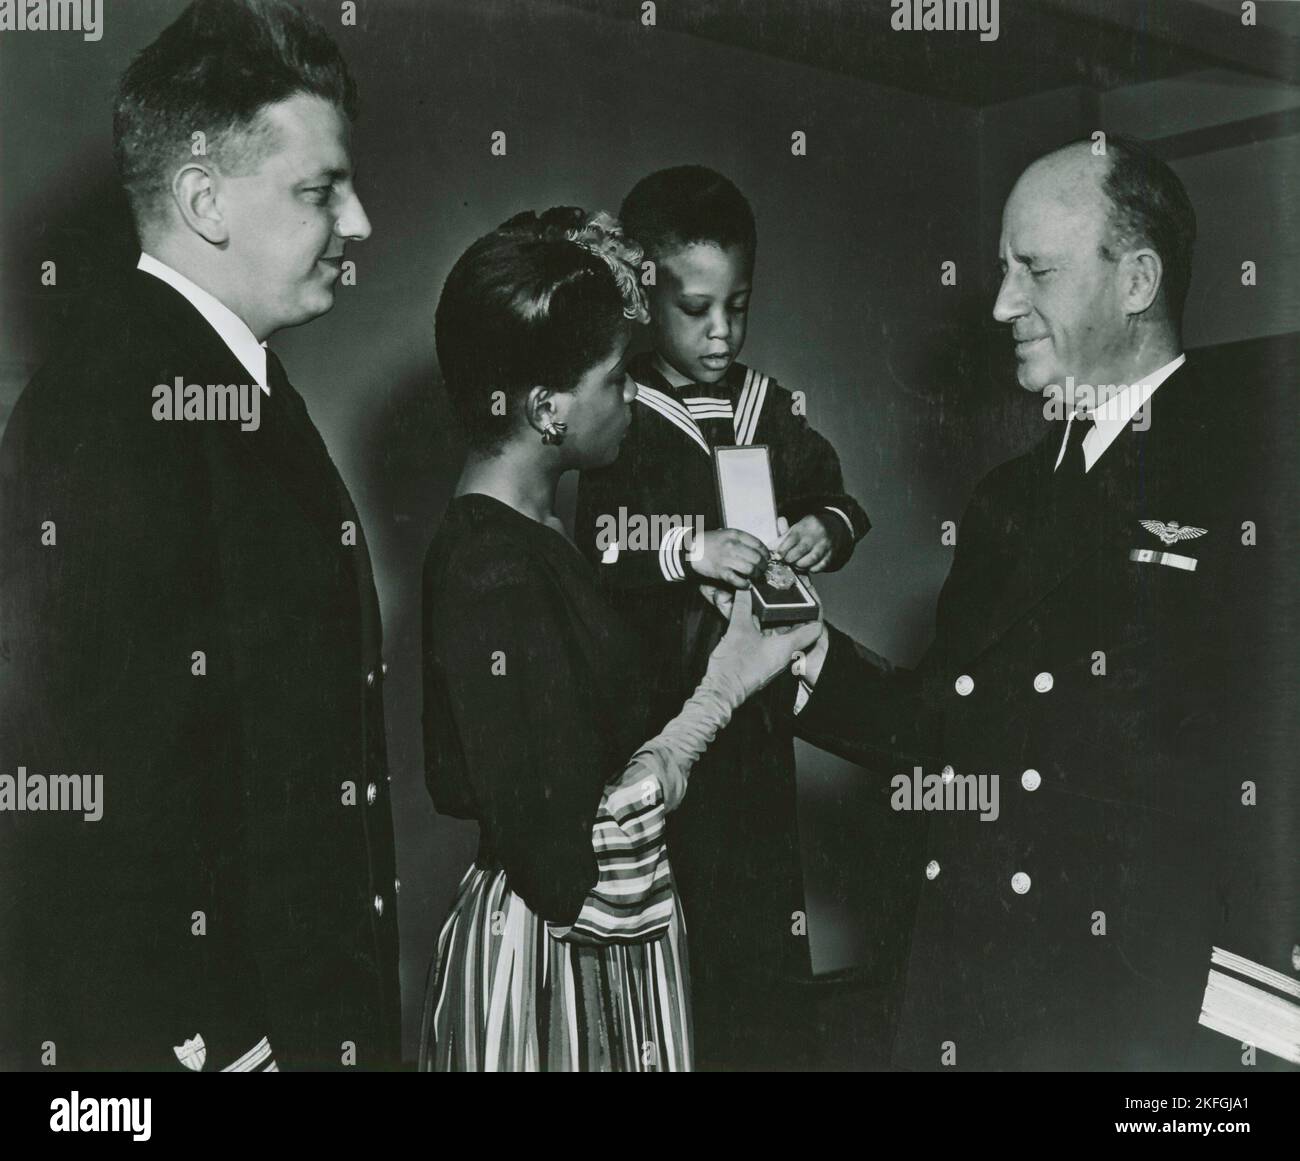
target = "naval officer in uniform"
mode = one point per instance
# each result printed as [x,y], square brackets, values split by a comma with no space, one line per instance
[1102,648]
[188,607]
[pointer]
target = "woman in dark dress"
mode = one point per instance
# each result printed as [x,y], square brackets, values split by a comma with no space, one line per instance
[564,949]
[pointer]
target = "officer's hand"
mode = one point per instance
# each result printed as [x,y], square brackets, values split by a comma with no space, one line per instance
[730,556]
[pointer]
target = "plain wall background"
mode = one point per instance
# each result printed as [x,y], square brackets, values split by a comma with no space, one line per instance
[911,380]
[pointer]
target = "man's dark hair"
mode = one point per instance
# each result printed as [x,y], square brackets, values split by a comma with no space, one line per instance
[675,207]
[213,71]
[528,306]
[1150,207]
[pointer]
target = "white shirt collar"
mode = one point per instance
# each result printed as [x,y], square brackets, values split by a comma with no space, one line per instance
[233,330]
[1112,416]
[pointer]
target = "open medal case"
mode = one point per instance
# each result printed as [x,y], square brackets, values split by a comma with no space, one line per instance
[747,500]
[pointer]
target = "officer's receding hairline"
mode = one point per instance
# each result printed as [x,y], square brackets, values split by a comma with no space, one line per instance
[1074,174]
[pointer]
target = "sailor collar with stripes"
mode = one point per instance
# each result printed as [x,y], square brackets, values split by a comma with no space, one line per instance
[686,410]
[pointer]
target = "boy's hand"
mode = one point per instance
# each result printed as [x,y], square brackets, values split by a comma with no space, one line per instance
[730,556]
[807,546]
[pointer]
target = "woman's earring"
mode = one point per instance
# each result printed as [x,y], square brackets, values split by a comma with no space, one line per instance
[553,431]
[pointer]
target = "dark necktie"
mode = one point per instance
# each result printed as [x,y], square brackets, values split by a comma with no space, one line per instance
[1073,464]
[1061,505]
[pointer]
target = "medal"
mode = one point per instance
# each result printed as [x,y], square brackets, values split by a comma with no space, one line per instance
[779,575]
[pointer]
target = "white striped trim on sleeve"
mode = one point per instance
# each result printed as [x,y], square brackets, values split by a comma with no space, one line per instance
[256,1059]
[670,554]
[845,517]
[1257,1005]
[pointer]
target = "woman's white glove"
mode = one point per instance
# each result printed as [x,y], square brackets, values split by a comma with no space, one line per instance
[744,661]
[747,655]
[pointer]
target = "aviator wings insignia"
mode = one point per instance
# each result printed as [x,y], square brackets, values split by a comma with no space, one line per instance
[1172,532]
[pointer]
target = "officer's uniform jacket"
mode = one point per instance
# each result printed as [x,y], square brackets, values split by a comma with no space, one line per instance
[1111,654]
[202,632]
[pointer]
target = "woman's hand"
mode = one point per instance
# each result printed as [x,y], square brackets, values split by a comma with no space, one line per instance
[754,656]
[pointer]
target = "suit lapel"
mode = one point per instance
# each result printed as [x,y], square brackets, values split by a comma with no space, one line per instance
[285,442]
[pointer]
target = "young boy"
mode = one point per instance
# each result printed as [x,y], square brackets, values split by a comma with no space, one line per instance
[735,839]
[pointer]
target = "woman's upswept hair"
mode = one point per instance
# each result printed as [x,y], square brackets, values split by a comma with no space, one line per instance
[537,302]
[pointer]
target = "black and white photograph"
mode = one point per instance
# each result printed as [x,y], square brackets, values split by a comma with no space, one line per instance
[726,536]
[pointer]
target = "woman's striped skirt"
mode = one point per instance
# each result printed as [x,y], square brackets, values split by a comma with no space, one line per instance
[506,995]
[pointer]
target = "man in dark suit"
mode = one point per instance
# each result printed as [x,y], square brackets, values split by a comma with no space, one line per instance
[1109,648]
[188,610]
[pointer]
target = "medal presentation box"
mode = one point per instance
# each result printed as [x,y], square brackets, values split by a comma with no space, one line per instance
[748,502]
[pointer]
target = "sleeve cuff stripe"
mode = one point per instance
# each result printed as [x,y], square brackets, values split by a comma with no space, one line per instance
[1250,1015]
[670,554]
[1254,971]
[843,516]
[253,1059]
